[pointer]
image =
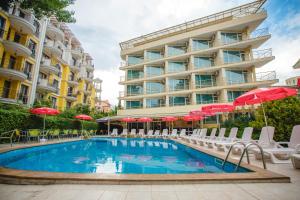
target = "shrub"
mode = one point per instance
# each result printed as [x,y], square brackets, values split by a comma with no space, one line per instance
[10,120]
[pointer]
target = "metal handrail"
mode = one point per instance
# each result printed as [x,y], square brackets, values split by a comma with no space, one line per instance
[227,156]
[246,150]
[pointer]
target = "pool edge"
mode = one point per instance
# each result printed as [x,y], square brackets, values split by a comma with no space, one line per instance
[12,176]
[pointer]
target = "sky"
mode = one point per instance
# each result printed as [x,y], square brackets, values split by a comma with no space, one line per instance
[102,24]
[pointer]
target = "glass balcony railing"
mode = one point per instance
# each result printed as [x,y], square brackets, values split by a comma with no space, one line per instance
[205,83]
[179,101]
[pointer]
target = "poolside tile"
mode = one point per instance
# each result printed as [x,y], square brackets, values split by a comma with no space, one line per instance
[164,196]
[186,187]
[138,188]
[138,195]
[113,195]
[189,195]
[163,188]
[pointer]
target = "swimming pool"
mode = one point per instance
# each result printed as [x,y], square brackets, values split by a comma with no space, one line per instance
[116,156]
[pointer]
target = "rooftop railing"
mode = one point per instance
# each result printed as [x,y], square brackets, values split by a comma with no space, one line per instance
[266,76]
[240,11]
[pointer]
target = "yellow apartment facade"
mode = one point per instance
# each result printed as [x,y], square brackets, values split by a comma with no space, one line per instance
[42,60]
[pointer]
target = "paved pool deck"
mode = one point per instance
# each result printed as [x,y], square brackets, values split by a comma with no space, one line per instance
[205,191]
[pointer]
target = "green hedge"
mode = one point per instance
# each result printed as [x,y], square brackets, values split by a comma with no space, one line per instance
[10,120]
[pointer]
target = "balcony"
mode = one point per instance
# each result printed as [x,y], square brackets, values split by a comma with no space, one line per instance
[44,86]
[75,67]
[53,48]
[55,32]
[88,78]
[23,24]
[179,101]
[71,96]
[17,48]
[13,74]
[89,67]
[76,53]
[8,95]
[73,81]
[47,67]
[205,83]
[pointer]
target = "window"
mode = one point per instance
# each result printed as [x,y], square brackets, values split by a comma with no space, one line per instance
[153,55]
[2,26]
[37,27]
[27,69]
[206,98]
[178,101]
[228,38]
[178,84]
[201,44]
[3,59]
[73,61]
[72,76]
[154,87]
[23,94]
[236,77]
[84,99]
[233,56]
[53,102]
[176,50]
[32,47]
[132,60]
[176,67]
[205,81]
[203,62]
[134,90]
[134,74]
[17,38]
[68,104]
[6,89]
[154,71]
[55,83]
[133,104]
[232,95]
[12,62]
[153,103]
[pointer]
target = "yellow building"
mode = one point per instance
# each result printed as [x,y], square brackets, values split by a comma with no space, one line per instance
[43,60]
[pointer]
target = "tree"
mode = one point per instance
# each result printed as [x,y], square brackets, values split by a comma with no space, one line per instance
[45,8]
[282,114]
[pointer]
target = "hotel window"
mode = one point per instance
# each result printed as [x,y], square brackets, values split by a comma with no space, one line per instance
[228,38]
[70,91]
[176,50]
[153,103]
[134,74]
[201,44]
[133,104]
[72,76]
[134,90]
[203,62]
[23,94]
[154,71]
[202,81]
[176,67]
[27,70]
[232,95]
[233,56]
[84,99]
[178,101]
[69,104]
[17,38]
[132,60]
[236,77]
[32,47]
[2,26]
[6,89]
[178,84]
[55,83]
[206,98]
[154,87]
[153,55]
[12,62]
[3,59]
[53,102]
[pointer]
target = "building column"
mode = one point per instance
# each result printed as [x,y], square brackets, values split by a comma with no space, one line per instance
[167,100]
[43,27]
[223,97]
[144,103]
[193,98]
[192,81]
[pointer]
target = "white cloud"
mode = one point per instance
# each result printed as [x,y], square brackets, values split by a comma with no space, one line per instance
[102,24]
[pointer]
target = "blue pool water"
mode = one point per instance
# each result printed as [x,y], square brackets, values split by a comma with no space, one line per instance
[115,156]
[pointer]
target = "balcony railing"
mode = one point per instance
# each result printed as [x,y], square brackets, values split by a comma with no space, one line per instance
[257,54]
[205,83]
[186,102]
[266,76]
[240,11]
[179,88]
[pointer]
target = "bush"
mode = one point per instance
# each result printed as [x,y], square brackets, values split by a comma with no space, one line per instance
[241,121]
[282,114]
[10,120]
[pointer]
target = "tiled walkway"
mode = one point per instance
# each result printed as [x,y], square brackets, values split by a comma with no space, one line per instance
[244,191]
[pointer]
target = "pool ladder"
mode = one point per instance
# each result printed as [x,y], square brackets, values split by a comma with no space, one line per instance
[246,146]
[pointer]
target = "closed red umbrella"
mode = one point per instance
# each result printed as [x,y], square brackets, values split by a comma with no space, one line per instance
[145,119]
[44,111]
[261,95]
[83,117]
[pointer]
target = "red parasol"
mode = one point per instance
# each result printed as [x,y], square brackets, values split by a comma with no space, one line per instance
[189,118]
[128,119]
[201,113]
[145,119]
[44,111]
[83,117]
[169,119]
[218,108]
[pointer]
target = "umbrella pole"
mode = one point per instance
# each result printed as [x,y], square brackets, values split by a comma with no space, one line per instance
[81,128]
[44,126]
[265,117]
[218,122]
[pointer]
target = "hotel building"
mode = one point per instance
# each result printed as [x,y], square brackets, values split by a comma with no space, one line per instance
[209,60]
[42,60]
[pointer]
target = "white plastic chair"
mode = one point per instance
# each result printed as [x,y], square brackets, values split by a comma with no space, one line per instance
[124,132]
[165,133]
[141,133]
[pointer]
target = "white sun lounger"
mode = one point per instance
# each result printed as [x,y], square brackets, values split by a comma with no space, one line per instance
[165,133]
[188,137]
[124,132]
[201,141]
[200,134]
[220,137]
[182,133]
[114,132]
[150,133]
[174,133]
[231,137]
[141,132]
[156,133]
[280,154]
[133,132]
